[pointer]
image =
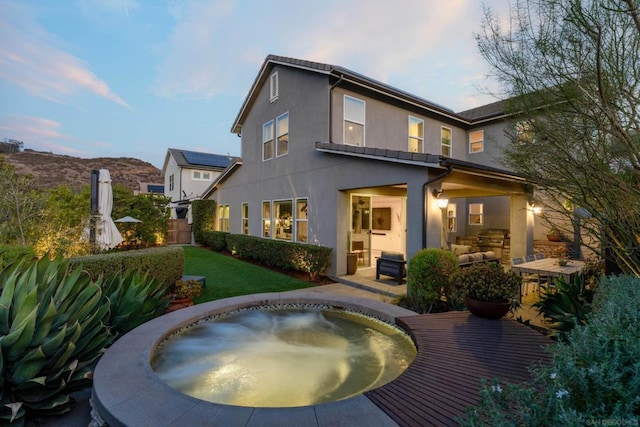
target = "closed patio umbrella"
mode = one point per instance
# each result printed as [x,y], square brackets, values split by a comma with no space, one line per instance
[107,235]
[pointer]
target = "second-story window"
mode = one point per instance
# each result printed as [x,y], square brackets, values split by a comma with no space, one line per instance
[354,119]
[445,141]
[282,128]
[476,141]
[201,176]
[267,140]
[172,182]
[416,134]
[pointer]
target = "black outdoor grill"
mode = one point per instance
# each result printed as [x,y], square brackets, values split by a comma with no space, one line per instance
[492,240]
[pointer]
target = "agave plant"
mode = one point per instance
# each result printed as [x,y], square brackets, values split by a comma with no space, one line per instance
[134,299]
[52,331]
[566,305]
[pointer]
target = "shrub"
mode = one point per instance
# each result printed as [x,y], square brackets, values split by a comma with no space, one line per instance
[134,299]
[186,289]
[11,253]
[311,259]
[565,305]
[203,214]
[488,282]
[215,240]
[51,333]
[430,281]
[593,377]
[163,264]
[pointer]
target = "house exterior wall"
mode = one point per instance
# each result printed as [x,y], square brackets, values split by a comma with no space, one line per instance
[172,169]
[326,180]
[193,188]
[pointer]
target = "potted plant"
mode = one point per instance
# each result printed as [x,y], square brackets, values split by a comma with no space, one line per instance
[555,235]
[488,289]
[183,293]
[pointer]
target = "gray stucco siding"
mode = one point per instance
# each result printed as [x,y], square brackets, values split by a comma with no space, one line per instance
[326,187]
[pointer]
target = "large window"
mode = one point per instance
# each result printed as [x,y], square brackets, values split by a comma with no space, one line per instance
[283,219]
[476,141]
[476,214]
[445,141]
[223,218]
[282,128]
[353,121]
[266,219]
[302,221]
[245,218]
[267,140]
[416,134]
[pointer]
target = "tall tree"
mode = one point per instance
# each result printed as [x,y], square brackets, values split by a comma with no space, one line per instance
[571,72]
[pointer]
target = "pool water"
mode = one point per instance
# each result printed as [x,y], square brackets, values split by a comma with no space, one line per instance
[283,357]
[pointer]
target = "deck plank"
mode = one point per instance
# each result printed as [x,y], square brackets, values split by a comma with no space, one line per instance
[456,350]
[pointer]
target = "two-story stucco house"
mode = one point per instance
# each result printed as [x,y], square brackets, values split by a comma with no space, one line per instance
[334,158]
[187,174]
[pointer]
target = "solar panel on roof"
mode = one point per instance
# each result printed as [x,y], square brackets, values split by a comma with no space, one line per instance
[205,159]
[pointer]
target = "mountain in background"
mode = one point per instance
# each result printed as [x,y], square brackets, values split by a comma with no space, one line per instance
[50,170]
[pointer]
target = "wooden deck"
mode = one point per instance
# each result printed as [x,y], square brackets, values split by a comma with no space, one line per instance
[455,351]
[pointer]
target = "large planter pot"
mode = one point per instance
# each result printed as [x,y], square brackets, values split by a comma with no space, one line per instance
[352,263]
[487,310]
[177,304]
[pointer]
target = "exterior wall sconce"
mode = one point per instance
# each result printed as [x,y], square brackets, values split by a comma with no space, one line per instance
[441,199]
[537,210]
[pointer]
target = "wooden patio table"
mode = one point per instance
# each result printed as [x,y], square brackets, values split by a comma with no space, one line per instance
[549,267]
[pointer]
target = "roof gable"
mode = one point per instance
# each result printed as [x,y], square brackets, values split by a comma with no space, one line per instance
[468,117]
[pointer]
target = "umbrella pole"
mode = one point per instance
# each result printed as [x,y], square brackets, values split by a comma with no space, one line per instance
[94,206]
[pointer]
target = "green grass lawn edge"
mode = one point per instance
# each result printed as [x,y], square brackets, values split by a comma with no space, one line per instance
[229,277]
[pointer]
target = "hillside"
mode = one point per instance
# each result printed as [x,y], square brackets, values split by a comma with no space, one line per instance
[50,170]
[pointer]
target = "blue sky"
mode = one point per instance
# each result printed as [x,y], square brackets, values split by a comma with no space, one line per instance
[132,78]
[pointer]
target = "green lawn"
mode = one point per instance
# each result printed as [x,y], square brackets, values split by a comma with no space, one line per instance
[229,277]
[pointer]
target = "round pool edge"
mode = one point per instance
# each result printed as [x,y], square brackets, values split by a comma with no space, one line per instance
[127,392]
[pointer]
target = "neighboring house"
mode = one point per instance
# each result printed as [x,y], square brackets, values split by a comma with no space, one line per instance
[334,158]
[187,174]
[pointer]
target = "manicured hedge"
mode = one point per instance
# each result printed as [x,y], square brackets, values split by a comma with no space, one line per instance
[216,240]
[164,264]
[311,259]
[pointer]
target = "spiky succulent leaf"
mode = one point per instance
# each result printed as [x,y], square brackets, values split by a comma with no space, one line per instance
[54,320]
[28,366]
[46,315]
[8,279]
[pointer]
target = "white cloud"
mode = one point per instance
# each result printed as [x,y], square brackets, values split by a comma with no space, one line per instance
[39,134]
[30,59]
[218,46]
